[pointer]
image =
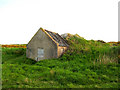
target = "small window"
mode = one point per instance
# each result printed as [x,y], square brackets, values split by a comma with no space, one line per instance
[40,52]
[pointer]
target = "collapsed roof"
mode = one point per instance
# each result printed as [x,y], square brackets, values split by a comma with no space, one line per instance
[57,38]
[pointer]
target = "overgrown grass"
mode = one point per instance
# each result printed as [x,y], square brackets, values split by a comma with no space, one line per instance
[86,64]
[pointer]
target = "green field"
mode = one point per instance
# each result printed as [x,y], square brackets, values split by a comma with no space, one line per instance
[86,64]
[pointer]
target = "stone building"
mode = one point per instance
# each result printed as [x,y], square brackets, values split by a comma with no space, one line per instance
[45,45]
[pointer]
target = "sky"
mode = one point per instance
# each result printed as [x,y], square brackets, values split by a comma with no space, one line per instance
[91,19]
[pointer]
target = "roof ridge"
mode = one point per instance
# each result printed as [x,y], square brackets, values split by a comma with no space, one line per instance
[45,31]
[50,31]
[57,38]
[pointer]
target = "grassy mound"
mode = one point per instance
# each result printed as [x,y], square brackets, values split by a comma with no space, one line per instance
[86,64]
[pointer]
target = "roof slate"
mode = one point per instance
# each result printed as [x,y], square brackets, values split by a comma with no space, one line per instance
[57,38]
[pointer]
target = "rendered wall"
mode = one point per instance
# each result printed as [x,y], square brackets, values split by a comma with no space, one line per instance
[41,40]
[60,52]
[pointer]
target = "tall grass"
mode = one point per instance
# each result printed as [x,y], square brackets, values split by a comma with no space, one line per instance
[86,64]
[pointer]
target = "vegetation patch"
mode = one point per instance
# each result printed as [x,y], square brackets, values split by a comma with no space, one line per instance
[86,64]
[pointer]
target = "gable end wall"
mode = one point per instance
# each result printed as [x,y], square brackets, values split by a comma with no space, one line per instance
[41,40]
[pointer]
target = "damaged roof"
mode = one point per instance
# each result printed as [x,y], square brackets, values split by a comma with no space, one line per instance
[57,38]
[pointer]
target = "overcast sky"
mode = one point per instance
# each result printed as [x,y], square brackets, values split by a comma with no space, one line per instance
[91,19]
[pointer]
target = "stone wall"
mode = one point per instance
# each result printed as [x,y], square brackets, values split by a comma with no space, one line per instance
[41,40]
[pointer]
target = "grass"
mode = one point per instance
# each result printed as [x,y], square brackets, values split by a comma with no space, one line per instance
[86,64]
